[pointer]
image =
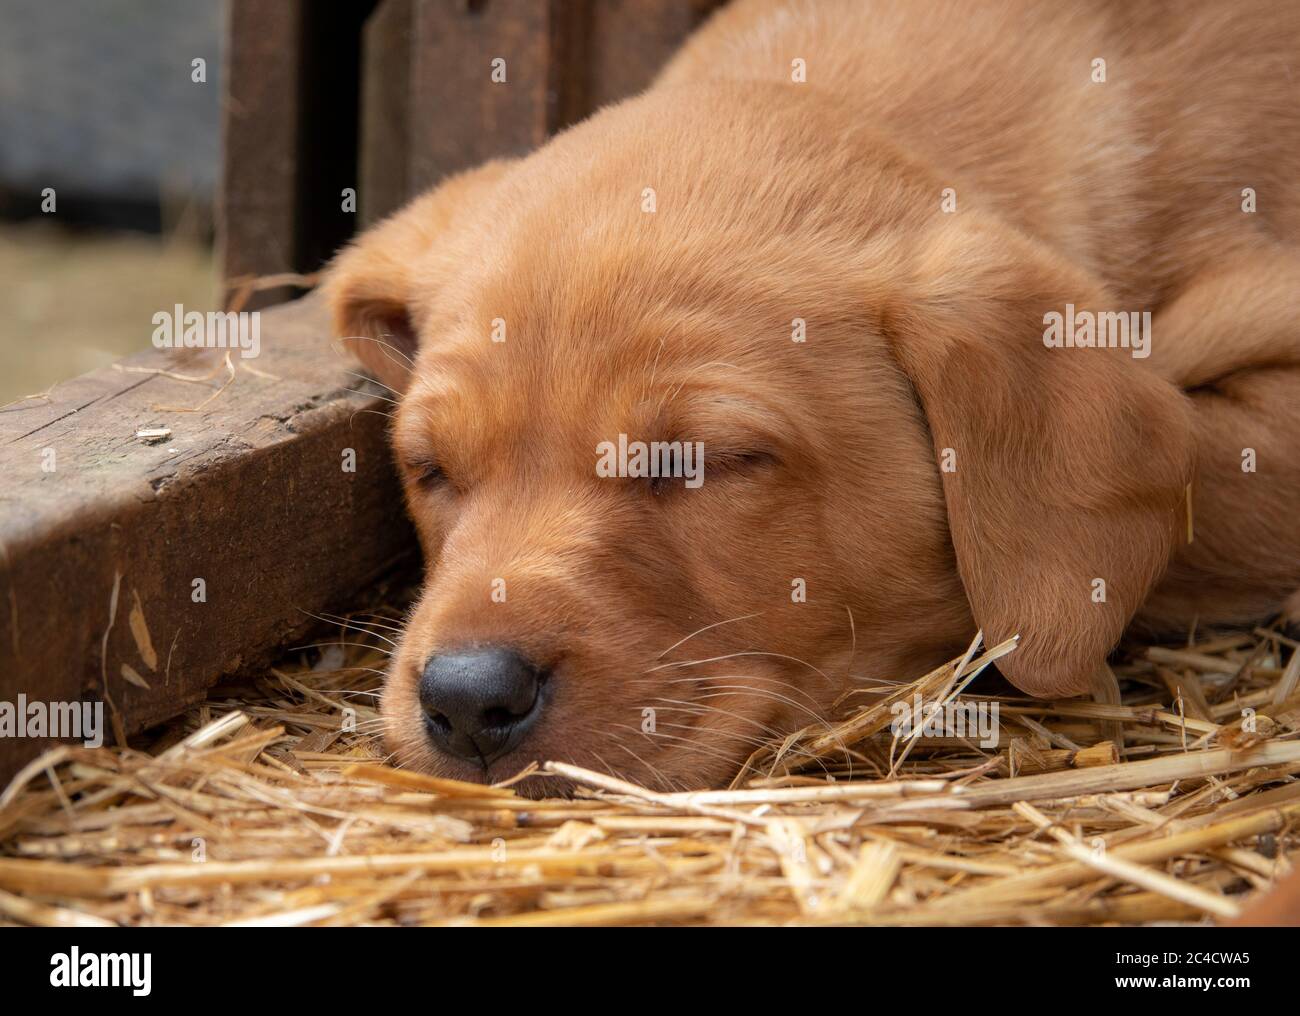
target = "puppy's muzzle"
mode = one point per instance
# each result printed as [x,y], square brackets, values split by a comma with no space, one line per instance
[481,703]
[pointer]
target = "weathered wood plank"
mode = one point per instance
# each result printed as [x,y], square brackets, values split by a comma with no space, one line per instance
[460,116]
[291,93]
[631,40]
[250,495]
[561,60]
[257,202]
[391,96]
[329,131]
[385,109]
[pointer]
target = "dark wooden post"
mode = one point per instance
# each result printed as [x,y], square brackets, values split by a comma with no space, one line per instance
[630,41]
[431,105]
[390,96]
[257,203]
[290,115]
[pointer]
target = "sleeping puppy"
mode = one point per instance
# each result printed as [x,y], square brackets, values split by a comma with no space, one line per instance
[981,317]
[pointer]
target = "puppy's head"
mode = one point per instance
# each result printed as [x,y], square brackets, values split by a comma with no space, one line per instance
[708,415]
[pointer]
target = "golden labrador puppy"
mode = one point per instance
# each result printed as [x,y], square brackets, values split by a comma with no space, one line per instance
[870,325]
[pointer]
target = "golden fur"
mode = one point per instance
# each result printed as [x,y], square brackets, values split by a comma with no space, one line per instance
[822,200]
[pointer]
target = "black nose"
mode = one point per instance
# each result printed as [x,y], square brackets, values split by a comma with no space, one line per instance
[479,704]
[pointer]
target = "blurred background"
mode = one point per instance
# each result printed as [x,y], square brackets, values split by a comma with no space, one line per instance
[330,116]
[98,102]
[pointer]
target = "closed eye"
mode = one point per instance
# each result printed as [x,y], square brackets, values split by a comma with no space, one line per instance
[738,462]
[427,474]
[744,460]
[715,464]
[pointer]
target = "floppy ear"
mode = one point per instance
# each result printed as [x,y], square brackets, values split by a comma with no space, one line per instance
[1068,466]
[369,285]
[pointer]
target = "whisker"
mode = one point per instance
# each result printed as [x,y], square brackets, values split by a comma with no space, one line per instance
[771,695]
[364,670]
[756,679]
[658,773]
[323,645]
[757,742]
[695,746]
[399,628]
[608,768]
[773,735]
[374,381]
[388,346]
[707,627]
[341,619]
[348,625]
[770,731]
[732,656]
[372,395]
[352,692]
[374,412]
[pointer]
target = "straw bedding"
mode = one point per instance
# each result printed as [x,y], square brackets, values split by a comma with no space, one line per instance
[270,804]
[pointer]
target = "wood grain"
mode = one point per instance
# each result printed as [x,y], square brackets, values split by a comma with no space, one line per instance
[248,494]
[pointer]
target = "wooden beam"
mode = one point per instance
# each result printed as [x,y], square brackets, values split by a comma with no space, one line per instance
[562,59]
[331,114]
[386,109]
[249,494]
[460,115]
[390,96]
[257,205]
[291,89]
[630,41]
